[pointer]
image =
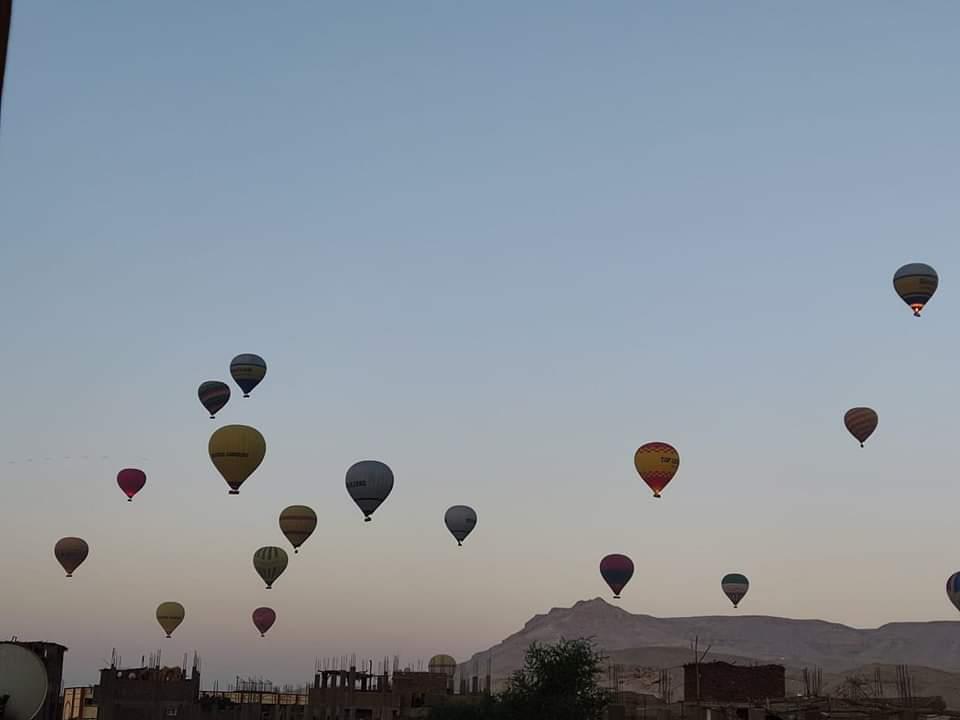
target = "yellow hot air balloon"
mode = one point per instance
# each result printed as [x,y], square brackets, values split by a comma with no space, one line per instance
[170,615]
[236,451]
[298,522]
[657,463]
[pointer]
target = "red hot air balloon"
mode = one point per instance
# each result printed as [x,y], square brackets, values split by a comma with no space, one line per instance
[617,571]
[131,481]
[263,619]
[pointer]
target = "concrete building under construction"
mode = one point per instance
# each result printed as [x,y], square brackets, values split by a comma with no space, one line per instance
[340,691]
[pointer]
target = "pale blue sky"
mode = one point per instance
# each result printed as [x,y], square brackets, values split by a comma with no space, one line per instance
[498,246]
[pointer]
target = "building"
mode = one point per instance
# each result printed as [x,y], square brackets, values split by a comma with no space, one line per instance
[359,695]
[721,682]
[148,693]
[51,655]
[79,703]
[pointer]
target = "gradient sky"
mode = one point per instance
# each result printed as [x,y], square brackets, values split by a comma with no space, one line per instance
[498,246]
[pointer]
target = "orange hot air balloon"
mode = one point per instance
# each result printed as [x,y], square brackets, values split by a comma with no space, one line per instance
[861,422]
[657,463]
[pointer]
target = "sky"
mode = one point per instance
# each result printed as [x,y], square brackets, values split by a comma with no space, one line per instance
[498,246]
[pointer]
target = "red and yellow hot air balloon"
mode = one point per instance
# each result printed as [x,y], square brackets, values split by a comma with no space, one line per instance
[657,463]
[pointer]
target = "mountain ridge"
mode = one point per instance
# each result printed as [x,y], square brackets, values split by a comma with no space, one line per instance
[760,638]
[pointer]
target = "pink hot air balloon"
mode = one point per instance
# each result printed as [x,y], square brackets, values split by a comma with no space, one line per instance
[263,618]
[131,481]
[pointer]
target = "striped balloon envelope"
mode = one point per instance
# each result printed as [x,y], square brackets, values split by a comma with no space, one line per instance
[916,283]
[616,570]
[270,562]
[953,589]
[213,395]
[657,463]
[297,523]
[735,586]
[861,422]
[247,371]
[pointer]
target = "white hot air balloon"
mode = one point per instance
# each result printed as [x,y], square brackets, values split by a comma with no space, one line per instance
[460,521]
[369,482]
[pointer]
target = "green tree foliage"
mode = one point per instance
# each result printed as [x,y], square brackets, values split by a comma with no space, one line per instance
[559,681]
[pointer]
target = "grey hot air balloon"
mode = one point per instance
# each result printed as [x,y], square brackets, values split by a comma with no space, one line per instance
[460,521]
[369,482]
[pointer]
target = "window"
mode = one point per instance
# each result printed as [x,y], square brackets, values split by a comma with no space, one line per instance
[171,711]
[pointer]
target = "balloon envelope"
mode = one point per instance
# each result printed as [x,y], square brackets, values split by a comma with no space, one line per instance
[70,553]
[460,521]
[953,589]
[131,481]
[297,523]
[213,396]
[616,570]
[270,562]
[916,283]
[263,619]
[247,371]
[860,422]
[170,615]
[236,451]
[443,664]
[735,586]
[657,463]
[369,482]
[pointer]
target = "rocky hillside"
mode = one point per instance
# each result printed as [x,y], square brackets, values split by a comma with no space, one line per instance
[794,643]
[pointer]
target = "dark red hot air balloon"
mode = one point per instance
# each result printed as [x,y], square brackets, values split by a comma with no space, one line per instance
[617,571]
[263,619]
[131,481]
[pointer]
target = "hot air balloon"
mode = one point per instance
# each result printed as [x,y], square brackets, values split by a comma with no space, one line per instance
[442,665]
[131,481]
[369,482]
[247,371]
[297,522]
[460,521]
[617,571]
[735,586]
[861,422]
[170,615]
[263,619]
[915,283]
[70,553]
[657,463]
[213,396]
[236,451]
[953,589]
[270,562]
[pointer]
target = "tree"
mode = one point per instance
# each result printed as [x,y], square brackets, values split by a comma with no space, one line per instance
[557,682]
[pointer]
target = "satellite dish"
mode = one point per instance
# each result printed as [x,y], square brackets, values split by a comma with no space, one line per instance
[24,678]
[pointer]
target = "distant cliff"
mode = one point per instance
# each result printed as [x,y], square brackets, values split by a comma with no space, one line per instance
[794,643]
